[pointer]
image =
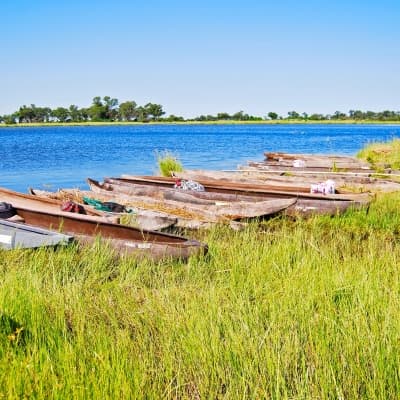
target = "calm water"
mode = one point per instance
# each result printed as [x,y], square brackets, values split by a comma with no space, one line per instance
[55,157]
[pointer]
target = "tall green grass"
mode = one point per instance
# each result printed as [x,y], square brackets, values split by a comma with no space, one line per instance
[168,163]
[380,155]
[295,310]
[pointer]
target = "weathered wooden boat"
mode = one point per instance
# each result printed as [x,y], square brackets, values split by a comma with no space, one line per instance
[287,167]
[45,204]
[306,204]
[186,218]
[235,188]
[125,239]
[16,235]
[167,192]
[212,210]
[142,219]
[315,161]
[295,180]
[86,228]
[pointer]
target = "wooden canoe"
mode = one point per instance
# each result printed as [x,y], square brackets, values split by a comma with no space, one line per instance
[127,240]
[270,155]
[237,188]
[184,219]
[296,180]
[142,219]
[316,161]
[210,210]
[288,167]
[44,204]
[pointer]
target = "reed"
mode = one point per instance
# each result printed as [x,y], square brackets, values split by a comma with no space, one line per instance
[168,163]
[303,309]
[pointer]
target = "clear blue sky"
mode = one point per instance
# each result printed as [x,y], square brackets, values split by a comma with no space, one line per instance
[202,57]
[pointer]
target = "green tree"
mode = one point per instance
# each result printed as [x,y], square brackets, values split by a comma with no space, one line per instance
[293,115]
[174,118]
[127,111]
[33,114]
[111,107]
[338,115]
[370,115]
[241,116]
[317,117]
[273,115]
[356,114]
[25,114]
[154,110]
[61,114]
[223,116]
[10,119]
[75,113]
[97,111]
[142,114]
[97,101]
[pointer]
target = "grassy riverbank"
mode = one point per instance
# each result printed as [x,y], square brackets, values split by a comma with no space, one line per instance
[220,122]
[305,309]
[382,155]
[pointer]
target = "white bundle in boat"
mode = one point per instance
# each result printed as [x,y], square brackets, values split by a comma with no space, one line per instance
[299,163]
[184,184]
[327,187]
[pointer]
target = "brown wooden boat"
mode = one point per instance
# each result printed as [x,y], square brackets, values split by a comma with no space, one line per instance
[288,167]
[44,204]
[315,161]
[211,209]
[254,190]
[186,218]
[295,181]
[142,219]
[125,239]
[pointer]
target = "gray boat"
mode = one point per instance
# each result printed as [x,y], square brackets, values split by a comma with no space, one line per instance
[14,235]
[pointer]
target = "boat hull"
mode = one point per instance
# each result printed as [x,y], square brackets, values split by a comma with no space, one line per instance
[125,239]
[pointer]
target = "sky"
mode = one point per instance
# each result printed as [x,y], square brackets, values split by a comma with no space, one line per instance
[202,57]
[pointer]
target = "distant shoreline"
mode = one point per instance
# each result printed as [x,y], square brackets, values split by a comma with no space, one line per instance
[220,122]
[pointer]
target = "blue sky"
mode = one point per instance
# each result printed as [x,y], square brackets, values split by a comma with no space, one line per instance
[202,57]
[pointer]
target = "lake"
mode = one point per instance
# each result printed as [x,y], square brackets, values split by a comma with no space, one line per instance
[57,157]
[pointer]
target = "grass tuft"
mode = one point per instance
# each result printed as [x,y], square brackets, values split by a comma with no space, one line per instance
[168,163]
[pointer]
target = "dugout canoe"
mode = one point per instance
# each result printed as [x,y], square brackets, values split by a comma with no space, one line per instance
[172,210]
[345,184]
[288,168]
[254,190]
[210,209]
[315,161]
[35,202]
[142,219]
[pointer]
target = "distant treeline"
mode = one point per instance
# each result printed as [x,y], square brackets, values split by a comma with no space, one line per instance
[108,109]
